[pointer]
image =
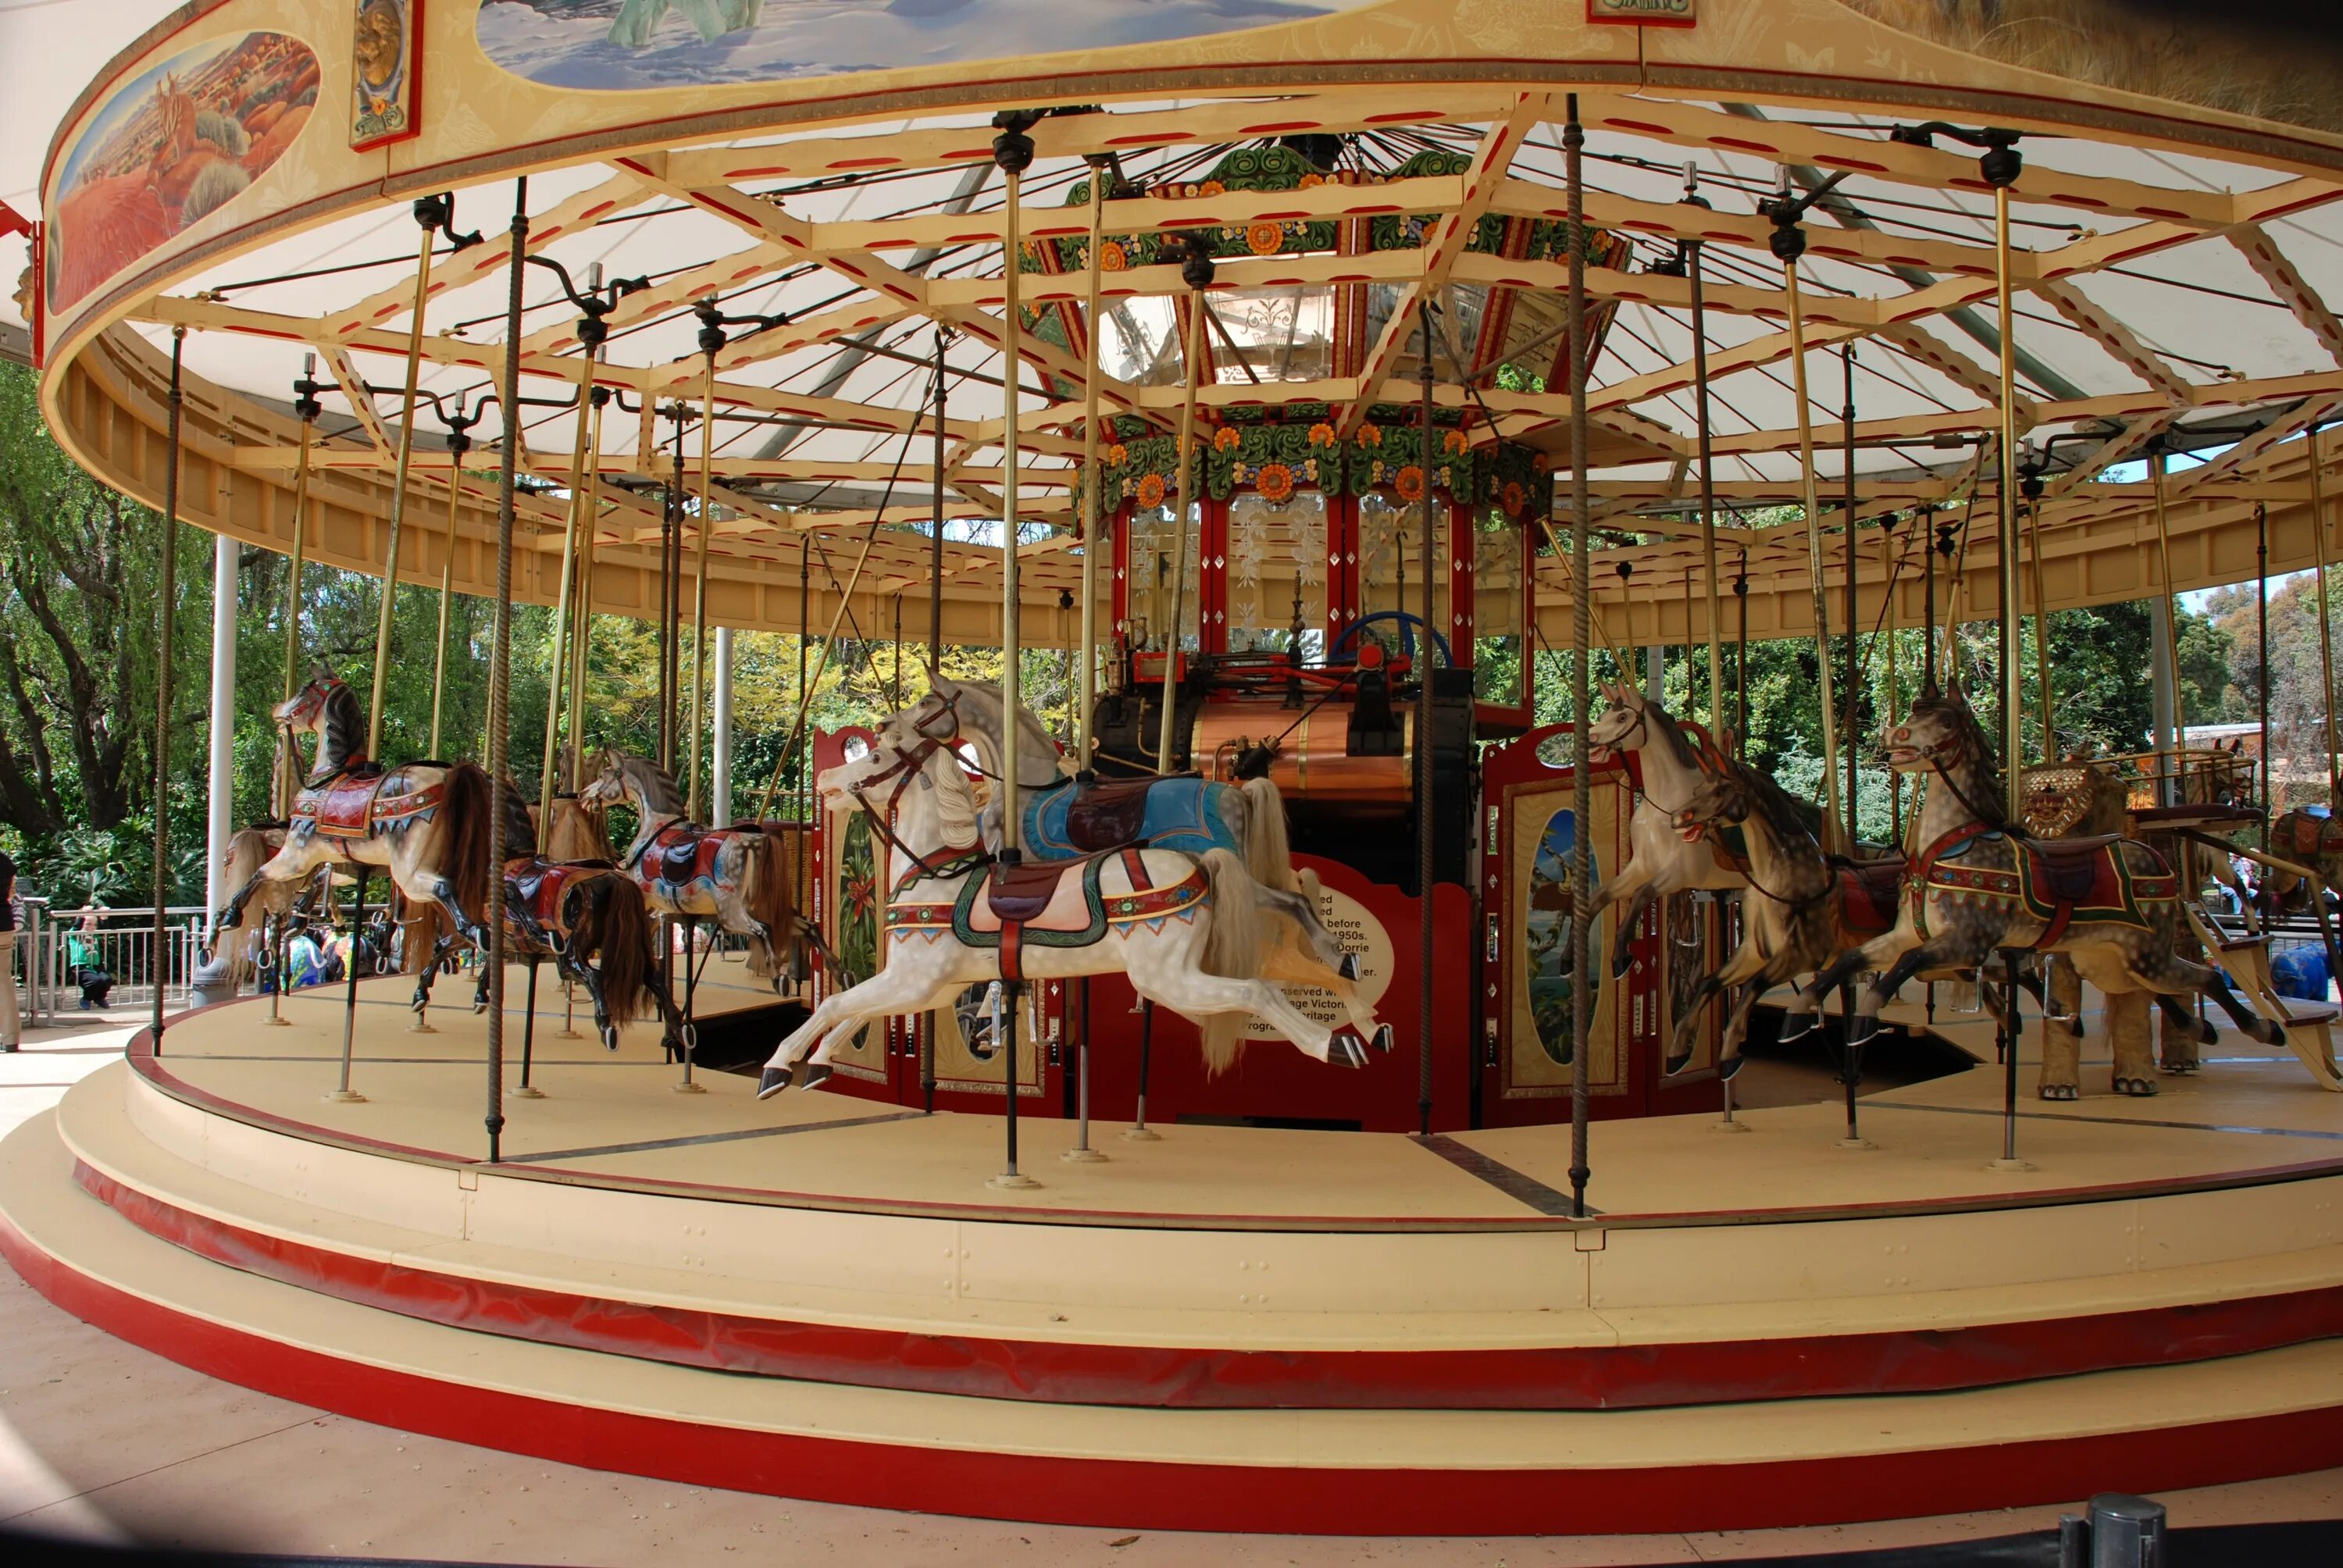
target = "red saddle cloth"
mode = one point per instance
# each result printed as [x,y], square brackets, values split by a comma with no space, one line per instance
[684,853]
[2309,836]
[1868,893]
[535,888]
[353,805]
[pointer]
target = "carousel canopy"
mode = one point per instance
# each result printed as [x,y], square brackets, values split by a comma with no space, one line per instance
[823,174]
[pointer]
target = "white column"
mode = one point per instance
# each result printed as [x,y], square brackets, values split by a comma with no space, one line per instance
[719,794]
[1655,674]
[2160,610]
[225,552]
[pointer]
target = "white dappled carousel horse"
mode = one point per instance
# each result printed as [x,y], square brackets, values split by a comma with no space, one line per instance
[1183,931]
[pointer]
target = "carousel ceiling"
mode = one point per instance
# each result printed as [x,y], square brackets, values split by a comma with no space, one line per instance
[2176,228]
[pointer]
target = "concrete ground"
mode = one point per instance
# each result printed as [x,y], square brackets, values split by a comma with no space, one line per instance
[100,1440]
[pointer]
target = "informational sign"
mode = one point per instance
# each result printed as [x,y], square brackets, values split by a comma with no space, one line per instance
[1352,924]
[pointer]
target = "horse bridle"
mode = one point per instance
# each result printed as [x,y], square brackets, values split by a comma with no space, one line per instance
[908,767]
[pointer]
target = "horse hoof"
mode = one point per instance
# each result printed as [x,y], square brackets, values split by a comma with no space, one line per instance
[1382,1037]
[2067,1090]
[818,1074]
[1349,968]
[609,1037]
[771,1082]
[1621,961]
[1731,1065]
[2138,1087]
[1346,1049]
[1676,1063]
[2177,1069]
[1796,1026]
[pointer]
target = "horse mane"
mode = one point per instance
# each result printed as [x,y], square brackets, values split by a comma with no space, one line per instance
[955,797]
[654,783]
[1663,724]
[1035,740]
[1787,818]
[1956,711]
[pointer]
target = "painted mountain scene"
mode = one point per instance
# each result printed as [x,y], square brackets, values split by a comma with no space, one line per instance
[170,146]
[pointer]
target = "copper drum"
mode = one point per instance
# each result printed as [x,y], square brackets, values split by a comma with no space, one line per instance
[1314,763]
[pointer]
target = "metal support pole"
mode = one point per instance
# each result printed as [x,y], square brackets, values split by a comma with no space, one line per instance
[305,405]
[2172,619]
[2325,633]
[1853,607]
[581,638]
[528,1090]
[2029,489]
[1895,690]
[1427,569]
[456,445]
[166,643]
[429,224]
[221,816]
[500,677]
[1834,810]
[1740,664]
[2013,687]
[1139,1131]
[1012,150]
[719,789]
[2261,654]
[1093,508]
[345,1094]
[695,802]
[1183,493]
[562,664]
[1693,251]
[1582,848]
[935,547]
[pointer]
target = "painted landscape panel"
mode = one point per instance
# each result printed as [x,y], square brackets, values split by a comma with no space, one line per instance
[170,147]
[615,45]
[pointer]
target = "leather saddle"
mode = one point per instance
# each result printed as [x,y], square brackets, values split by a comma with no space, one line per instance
[2067,871]
[1868,892]
[1108,814]
[1023,893]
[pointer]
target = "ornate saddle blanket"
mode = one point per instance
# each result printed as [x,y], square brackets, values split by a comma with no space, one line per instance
[2054,880]
[1067,820]
[2300,836]
[354,807]
[683,853]
[1868,892]
[535,888]
[1050,904]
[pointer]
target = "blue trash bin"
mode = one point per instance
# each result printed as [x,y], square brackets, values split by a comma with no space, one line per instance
[2301,971]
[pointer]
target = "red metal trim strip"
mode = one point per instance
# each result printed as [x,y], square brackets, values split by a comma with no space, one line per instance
[1288,1499]
[1048,1372]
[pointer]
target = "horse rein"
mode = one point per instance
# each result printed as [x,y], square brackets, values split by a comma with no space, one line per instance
[907,767]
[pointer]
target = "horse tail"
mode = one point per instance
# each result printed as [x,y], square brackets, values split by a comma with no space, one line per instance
[1268,854]
[769,903]
[467,804]
[1232,949]
[623,959]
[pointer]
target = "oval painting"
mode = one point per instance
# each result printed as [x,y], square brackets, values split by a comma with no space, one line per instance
[170,147]
[1546,934]
[615,45]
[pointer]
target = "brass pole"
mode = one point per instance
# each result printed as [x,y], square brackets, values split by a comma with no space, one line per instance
[1184,457]
[2325,635]
[558,674]
[1892,707]
[398,488]
[2012,680]
[1833,812]
[158,955]
[700,588]
[1011,634]
[1092,511]
[446,594]
[1707,493]
[581,640]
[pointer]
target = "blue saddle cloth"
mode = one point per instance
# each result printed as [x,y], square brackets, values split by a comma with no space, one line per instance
[1182,815]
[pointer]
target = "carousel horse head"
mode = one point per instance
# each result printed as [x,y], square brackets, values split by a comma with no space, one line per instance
[608,785]
[619,775]
[310,708]
[1614,730]
[1723,797]
[1938,733]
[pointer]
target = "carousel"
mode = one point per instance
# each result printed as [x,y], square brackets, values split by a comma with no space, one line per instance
[1157,1083]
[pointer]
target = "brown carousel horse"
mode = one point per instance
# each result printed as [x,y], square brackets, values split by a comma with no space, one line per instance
[2110,905]
[426,823]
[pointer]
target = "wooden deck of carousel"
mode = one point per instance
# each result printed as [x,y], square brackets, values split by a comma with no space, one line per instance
[1232,1328]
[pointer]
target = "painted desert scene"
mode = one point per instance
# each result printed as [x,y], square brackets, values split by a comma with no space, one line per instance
[171,147]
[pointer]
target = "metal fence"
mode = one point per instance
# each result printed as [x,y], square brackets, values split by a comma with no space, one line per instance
[56,949]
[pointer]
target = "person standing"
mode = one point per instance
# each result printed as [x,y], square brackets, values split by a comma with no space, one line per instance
[10,1025]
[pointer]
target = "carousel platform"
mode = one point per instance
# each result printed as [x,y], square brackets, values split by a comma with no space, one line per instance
[1232,1328]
